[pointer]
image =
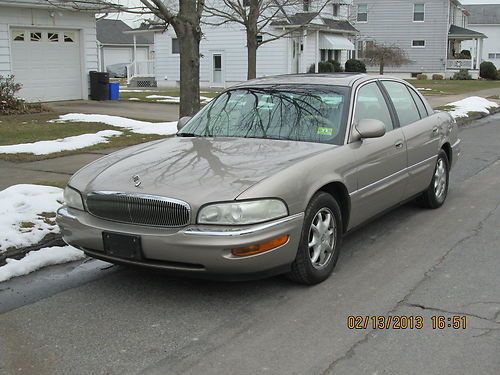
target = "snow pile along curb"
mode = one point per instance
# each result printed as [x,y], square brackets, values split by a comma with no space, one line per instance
[35,260]
[464,107]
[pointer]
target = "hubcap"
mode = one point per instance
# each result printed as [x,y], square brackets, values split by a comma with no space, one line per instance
[322,238]
[440,179]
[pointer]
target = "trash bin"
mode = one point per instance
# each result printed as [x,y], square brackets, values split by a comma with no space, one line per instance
[114,91]
[99,85]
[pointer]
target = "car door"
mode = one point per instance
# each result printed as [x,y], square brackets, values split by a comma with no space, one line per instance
[381,162]
[421,132]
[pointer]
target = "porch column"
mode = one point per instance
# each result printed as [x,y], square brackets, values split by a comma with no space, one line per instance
[481,41]
[478,53]
[135,54]
[473,53]
[316,51]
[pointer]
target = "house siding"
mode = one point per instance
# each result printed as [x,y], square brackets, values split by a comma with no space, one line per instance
[30,18]
[391,22]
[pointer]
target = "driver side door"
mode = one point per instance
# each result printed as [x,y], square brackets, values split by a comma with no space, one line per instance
[381,162]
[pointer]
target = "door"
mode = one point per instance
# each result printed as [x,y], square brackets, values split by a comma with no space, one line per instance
[421,133]
[217,73]
[381,162]
[47,63]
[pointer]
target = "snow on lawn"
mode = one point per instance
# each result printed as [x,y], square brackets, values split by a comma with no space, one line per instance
[35,260]
[141,127]
[27,214]
[63,144]
[174,99]
[462,107]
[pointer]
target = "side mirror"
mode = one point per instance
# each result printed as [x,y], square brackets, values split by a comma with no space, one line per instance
[182,122]
[369,128]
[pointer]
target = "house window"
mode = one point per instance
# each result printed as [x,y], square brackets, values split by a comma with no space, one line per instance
[176,48]
[335,10]
[362,13]
[36,37]
[18,36]
[493,55]
[305,5]
[53,37]
[418,12]
[418,43]
[69,37]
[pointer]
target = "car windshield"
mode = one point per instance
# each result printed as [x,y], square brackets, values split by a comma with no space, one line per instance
[309,114]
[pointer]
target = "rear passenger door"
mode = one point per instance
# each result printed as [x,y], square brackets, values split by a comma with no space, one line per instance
[381,162]
[421,133]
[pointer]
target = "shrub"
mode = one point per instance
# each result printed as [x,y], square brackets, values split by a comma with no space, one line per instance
[356,66]
[325,67]
[422,77]
[336,66]
[465,54]
[9,103]
[462,75]
[498,74]
[437,77]
[312,69]
[488,70]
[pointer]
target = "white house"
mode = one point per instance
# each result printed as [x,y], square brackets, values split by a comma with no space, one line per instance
[49,49]
[310,37]
[116,45]
[485,18]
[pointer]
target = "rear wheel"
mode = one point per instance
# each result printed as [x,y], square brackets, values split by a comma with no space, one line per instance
[436,193]
[320,241]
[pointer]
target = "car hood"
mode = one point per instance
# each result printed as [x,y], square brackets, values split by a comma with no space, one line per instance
[196,170]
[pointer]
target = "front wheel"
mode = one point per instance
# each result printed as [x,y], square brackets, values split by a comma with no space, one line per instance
[436,193]
[320,241]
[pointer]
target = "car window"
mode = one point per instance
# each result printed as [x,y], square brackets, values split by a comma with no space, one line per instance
[420,104]
[370,104]
[404,104]
[305,113]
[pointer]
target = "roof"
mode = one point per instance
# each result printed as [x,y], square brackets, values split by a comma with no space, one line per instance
[336,79]
[306,18]
[111,31]
[487,14]
[457,31]
[75,5]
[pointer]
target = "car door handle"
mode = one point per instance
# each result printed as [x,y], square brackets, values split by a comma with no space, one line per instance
[398,144]
[435,130]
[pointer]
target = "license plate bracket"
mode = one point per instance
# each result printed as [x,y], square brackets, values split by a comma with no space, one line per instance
[122,245]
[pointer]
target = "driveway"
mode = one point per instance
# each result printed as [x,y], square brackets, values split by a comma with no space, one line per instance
[88,318]
[156,112]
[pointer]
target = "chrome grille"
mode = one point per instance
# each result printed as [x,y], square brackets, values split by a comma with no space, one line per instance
[137,208]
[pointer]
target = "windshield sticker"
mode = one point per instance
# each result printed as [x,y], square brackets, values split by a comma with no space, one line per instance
[325,131]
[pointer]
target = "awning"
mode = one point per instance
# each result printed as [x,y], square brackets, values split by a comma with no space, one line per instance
[331,41]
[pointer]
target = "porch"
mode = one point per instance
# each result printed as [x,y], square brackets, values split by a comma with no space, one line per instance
[465,48]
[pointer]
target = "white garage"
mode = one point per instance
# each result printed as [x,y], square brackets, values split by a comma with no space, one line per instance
[49,47]
[56,72]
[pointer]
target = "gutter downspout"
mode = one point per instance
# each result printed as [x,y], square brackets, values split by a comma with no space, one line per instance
[135,55]
[447,43]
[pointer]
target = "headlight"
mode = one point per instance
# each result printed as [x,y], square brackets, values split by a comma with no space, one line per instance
[73,199]
[242,213]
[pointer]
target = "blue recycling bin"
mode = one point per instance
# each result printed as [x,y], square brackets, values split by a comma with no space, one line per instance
[114,91]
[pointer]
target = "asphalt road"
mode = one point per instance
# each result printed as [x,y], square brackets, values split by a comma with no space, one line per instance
[86,318]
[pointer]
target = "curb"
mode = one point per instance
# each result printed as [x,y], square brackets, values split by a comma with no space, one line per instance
[19,252]
[464,121]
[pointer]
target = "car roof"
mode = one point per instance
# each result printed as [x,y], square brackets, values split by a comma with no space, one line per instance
[334,79]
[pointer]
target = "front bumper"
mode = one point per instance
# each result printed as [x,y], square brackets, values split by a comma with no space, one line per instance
[198,250]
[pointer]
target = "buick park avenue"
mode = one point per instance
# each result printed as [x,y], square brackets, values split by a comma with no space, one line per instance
[266,179]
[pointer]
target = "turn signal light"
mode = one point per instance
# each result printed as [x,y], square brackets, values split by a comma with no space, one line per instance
[260,248]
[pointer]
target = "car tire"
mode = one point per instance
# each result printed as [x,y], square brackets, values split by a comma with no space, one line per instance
[320,241]
[436,193]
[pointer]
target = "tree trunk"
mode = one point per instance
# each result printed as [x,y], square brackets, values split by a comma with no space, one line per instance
[252,54]
[382,64]
[189,44]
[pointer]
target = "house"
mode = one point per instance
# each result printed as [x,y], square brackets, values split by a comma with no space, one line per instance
[485,19]
[116,46]
[431,32]
[309,36]
[49,47]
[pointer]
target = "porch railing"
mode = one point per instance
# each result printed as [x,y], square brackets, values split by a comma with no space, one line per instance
[459,64]
[140,69]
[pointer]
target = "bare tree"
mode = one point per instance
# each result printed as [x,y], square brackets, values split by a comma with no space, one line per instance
[256,16]
[184,16]
[385,55]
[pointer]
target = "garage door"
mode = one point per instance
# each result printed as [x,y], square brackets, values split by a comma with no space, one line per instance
[47,63]
[117,56]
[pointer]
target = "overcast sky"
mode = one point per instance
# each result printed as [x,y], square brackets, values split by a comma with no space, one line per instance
[134,20]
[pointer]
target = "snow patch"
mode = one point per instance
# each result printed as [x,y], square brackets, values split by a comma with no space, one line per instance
[174,99]
[35,260]
[462,107]
[134,99]
[63,144]
[423,89]
[141,127]
[21,209]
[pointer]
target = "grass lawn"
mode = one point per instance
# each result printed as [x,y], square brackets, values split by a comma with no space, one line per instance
[450,87]
[142,96]
[29,128]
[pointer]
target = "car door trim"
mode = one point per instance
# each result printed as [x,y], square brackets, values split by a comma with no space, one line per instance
[402,171]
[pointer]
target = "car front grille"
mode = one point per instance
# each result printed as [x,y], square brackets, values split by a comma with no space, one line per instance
[139,209]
